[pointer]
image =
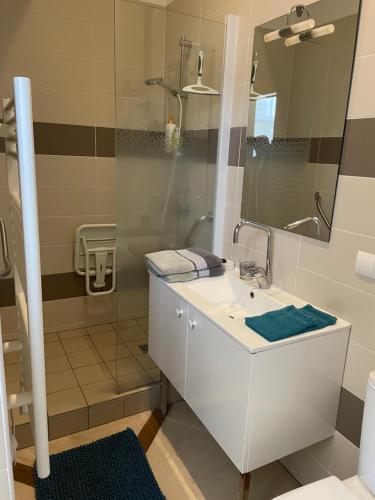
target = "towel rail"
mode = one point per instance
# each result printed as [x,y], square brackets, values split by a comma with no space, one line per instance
[26,267]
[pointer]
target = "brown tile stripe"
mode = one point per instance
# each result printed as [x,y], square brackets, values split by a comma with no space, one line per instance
[80,140]
[62,139]
[235,145]
[325,150]
[54,287]
[358,149]
[105,141]
[349,418]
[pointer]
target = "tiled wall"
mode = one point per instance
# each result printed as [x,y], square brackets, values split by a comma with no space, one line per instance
[67,49]
[323,273]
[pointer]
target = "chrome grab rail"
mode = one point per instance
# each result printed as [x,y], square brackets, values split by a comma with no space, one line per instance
[318,199]
[297,223]
[4,247]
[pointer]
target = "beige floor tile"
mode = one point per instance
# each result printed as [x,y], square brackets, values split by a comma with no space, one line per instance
[132,333]
[143,321]
[132,381]
[135,422]
[112,352]
[57,363]
[63,401]
[71,334]
[104,339]
[146,362]
[77,344]
[51,337]
[134,346]
[13,372]
[143,358]
[61,381]
[123,367]
[53,348]
[124,324]
[154,374]
[188,463]
[24,492]
[100,391]
[84,358]
[92,373]
[91,330]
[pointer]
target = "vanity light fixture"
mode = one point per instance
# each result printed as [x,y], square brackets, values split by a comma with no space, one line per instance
[307,36]
[292,29]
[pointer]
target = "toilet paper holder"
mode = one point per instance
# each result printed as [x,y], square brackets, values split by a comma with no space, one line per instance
[95,256]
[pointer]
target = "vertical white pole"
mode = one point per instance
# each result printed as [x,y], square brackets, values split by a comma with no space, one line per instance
[229,67]
[26,159]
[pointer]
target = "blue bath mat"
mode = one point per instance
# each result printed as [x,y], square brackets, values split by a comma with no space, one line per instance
[112,468]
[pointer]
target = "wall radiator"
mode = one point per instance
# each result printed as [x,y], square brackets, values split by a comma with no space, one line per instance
[17,130]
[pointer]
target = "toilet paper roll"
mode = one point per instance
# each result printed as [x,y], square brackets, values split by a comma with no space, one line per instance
[365,264]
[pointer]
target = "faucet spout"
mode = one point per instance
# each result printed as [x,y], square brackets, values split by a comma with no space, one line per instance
[267,230]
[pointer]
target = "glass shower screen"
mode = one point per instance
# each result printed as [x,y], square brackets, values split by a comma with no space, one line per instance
[165,175]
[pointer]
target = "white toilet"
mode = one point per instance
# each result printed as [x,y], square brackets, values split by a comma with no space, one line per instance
[360,487]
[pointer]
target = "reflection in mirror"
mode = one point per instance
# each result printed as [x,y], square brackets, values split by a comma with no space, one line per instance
[298,104]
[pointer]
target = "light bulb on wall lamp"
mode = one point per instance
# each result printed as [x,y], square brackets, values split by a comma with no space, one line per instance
[328,29]
[289,30]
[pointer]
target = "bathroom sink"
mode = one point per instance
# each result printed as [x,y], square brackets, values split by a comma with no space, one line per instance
[234,297]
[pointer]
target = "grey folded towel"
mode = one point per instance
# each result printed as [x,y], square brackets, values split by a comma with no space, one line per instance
[184,265]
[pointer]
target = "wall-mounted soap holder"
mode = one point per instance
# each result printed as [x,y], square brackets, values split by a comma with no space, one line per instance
[95,256]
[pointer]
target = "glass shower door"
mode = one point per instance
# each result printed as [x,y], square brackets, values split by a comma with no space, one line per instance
[165,190]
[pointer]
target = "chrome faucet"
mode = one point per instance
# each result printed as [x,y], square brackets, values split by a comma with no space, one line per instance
[263,276]
[297,223]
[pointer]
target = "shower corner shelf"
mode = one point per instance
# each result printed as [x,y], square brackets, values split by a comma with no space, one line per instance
[95,256]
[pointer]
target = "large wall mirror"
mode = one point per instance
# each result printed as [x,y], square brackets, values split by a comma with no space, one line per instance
[299,95]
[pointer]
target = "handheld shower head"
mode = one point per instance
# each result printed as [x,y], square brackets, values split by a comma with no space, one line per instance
[154,81]
[160,81]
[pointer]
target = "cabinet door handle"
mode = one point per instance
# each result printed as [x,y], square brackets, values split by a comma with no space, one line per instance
[179,313]
[192,324]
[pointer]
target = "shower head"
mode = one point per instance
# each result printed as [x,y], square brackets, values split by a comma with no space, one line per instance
[154,81]
[159,81]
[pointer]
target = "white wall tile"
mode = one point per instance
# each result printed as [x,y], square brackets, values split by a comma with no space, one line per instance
[336,259]
[361,105]
[366,37]
[355,205]
[360,362]
[337,298]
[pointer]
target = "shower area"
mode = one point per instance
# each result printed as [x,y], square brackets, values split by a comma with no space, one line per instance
[168,81]
[134,164]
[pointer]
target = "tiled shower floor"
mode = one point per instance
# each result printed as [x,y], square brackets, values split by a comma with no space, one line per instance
[82,365]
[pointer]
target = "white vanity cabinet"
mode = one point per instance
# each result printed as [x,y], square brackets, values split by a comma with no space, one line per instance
[217,383]
[168,326]
[260,401]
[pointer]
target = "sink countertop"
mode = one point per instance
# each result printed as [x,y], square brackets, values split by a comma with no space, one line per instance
[235,327]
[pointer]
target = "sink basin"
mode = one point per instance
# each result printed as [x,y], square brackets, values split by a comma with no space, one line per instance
[234,297]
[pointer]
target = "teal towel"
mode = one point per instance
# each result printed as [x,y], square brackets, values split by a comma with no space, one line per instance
[289,321]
